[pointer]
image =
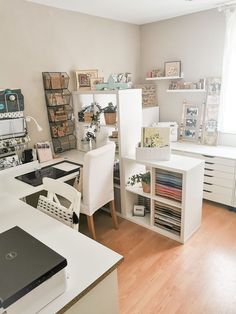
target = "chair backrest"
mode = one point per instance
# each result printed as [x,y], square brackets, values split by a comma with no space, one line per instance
[58,194]
[98,178]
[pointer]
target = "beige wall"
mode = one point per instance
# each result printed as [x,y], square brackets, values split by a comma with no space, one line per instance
[37,38]
[197,40]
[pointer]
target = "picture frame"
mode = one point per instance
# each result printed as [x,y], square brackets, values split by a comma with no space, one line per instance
[139,210]
[173,68]
[94,81]
[83,78]
[192,120]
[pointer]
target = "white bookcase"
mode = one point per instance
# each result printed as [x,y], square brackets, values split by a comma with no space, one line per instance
[176,219]
[129,122]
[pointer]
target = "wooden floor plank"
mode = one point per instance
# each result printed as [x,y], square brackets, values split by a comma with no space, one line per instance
[159,275]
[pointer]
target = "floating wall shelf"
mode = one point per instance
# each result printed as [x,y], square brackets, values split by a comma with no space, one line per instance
[164,78]
[186,90]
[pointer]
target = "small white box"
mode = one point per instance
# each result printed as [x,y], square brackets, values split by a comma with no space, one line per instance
[153,153]
[173,129]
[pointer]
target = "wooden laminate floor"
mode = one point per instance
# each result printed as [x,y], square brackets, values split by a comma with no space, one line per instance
[159,275]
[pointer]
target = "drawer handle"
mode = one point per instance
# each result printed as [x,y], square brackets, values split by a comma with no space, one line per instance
[208,175]
[208,156]
[208,169]
[209,163]
[207,191]
[208,183]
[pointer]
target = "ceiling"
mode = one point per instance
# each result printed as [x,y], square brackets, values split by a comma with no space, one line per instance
[133,11]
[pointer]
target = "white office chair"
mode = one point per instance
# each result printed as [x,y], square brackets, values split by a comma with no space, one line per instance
[98,187]
[53,204]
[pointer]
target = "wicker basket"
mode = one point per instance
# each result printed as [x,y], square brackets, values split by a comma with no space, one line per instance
[110,117]
[88,117]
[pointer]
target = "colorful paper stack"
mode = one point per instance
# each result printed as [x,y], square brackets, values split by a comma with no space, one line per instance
[169,185]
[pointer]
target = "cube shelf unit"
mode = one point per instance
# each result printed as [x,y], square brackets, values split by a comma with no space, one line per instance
[128,125]
[59,110]
[175,201]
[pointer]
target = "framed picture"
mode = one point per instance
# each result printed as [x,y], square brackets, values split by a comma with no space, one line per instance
[173,68]
[95,81]
[139,210]
[83,78]
[191,126]
[148,94]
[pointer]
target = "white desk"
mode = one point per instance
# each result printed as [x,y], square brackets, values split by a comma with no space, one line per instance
[12,186]
[91,266]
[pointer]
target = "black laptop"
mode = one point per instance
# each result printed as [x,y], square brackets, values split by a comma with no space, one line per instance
[25,263]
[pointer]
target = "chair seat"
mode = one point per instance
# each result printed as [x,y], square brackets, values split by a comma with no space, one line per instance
[92,208]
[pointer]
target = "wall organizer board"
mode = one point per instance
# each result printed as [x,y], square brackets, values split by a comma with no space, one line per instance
[13,131]
[60,112]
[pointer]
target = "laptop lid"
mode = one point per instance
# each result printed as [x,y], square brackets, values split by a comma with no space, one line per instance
[25,263]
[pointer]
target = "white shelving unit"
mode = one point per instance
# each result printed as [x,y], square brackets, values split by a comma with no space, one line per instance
[129,122]
[188,172]
[164,78]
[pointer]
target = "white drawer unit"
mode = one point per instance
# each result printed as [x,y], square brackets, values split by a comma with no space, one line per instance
[219,173]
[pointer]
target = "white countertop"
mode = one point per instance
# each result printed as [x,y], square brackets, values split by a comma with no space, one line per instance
[11,186]
[176,163]
[217,151]
[87,260]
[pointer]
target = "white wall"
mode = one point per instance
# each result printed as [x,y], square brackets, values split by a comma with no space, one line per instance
[197,40]
[37,38]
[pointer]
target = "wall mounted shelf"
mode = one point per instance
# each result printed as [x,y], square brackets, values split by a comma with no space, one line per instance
[164,78]
[186,90]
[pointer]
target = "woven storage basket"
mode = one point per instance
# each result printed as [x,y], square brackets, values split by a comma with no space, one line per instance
[110,117]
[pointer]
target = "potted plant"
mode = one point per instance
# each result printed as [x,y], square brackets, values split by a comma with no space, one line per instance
[144,178]
[90,114]
[110,113]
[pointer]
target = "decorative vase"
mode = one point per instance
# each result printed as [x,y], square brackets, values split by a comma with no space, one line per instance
[110,117]
[146,187]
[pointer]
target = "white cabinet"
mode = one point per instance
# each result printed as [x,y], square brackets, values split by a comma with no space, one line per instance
[177,214]
[219,175]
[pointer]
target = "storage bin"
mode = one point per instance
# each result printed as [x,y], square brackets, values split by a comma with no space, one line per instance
[60,129]
[153,153]
[62,144]
[58,98]
[55,80]
[60,113]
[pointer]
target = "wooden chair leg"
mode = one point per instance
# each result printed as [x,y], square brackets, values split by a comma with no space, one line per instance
[91,226]
[113,213]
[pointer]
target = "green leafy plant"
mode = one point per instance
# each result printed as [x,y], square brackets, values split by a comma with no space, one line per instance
[110,108]
[140,177]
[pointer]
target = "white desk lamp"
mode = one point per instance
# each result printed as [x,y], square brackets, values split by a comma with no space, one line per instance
[29,118]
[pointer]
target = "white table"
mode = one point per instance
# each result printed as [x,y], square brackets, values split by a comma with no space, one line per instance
[92,282]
